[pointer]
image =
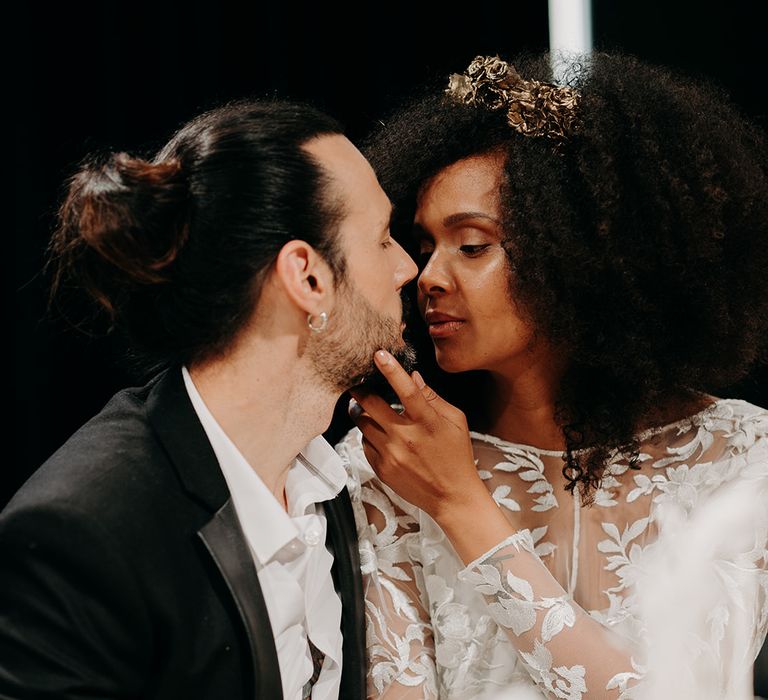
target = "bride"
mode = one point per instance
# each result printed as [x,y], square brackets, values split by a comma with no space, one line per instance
[593,263]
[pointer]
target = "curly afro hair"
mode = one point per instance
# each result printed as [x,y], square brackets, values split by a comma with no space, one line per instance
[639,247]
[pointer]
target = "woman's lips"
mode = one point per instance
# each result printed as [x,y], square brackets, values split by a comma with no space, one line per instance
[442,325]
[442,329]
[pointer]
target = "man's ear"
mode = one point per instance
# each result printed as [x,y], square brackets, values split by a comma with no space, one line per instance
[306,278]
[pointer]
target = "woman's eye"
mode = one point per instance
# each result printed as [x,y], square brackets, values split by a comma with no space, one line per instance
[386,243]
[474,249]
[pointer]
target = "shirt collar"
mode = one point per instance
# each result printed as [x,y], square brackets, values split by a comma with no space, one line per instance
[316,475]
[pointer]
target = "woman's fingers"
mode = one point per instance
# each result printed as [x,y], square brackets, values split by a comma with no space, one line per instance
[376,407]
[409,393]
[371,453]
[372,432]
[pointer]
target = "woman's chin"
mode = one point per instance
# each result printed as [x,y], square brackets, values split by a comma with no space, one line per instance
[453,362]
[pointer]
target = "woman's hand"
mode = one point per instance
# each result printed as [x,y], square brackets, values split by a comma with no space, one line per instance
[424,453]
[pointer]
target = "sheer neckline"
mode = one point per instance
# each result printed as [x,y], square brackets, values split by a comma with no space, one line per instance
[693,419]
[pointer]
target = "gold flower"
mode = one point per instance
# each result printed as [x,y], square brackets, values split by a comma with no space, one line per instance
[460,86]
[533,108]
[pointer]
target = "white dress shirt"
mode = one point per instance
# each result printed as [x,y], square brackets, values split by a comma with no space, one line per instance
[288,548]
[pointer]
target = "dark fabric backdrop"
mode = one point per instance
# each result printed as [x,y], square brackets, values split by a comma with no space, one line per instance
[119,75]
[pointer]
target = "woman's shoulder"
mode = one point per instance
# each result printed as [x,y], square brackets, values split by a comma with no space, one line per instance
[723,417]
[737,411]
[741,410]
[727,441]
[744,427]
[741,425]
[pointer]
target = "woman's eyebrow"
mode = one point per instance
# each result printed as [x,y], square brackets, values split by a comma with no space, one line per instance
[420,233]
[454,219]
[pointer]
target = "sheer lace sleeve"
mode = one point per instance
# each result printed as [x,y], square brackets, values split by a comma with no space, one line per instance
[699,594]
[567,652]
[398,631]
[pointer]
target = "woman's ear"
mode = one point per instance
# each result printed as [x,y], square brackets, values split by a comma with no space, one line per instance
[306,278]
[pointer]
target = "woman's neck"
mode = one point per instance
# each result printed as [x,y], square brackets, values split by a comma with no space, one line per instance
[522,404]
[522,409]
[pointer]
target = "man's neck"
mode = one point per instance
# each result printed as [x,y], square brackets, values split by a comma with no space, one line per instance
[269,404]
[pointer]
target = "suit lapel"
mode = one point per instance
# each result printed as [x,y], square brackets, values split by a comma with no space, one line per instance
[342,538]
[171,414]
[224,540]
[177,426]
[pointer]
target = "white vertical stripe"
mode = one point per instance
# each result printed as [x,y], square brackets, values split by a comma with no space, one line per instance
[570,31]
[576,542]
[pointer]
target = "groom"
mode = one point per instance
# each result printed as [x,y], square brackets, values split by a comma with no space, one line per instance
[195,539]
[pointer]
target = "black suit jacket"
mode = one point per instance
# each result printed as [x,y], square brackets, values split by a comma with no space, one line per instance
[124,572]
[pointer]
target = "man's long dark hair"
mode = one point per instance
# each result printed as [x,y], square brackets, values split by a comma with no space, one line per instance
[175,248]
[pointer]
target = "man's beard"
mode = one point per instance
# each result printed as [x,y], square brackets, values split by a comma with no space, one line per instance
[343,353]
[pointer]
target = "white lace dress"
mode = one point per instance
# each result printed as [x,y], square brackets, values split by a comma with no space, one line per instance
[656,590]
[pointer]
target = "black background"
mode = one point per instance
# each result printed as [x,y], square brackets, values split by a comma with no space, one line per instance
[88,77]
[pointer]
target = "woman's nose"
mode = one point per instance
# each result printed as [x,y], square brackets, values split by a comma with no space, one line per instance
[434,278]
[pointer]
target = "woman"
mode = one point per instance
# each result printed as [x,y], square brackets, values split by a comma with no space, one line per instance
[593,257]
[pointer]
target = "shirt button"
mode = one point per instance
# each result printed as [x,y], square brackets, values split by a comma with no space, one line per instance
[312,537]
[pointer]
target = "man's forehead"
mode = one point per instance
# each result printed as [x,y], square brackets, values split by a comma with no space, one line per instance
[338,156]
[352,180]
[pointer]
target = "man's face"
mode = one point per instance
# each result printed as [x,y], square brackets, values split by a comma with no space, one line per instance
[368,311]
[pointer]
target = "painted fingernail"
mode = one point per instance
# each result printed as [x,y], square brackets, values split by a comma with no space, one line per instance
[355,409]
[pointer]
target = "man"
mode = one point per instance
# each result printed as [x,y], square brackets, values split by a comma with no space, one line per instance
[179,544]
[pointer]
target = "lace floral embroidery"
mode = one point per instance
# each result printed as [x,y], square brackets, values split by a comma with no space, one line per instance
[556,606]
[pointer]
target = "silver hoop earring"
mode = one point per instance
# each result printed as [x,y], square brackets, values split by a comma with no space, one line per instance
[323,322]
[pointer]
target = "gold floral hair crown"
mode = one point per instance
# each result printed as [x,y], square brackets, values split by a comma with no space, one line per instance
[533,108]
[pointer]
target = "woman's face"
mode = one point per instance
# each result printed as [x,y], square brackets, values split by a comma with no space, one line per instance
[463,289]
